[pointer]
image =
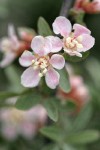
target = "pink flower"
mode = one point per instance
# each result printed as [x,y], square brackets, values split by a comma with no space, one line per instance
[12,46]
[26,34]
[88,6]
[9,46]
[73,42]
[79,91]
[42,62]
[25,123]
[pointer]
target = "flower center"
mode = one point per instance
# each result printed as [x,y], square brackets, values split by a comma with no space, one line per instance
[41,63]
[73,43]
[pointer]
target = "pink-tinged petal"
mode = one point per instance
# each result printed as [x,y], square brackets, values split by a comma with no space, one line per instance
[9,132]
[26,58]
[87,41]
[79,30]
[57,61]
[13,37]
[30,77]
[7,59]
[52,78]
[56,43]
[73,53]
[62,26]
[40,45]
[11,30]
[78,54]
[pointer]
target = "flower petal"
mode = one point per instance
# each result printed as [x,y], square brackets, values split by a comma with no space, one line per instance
[52,78]
[7,59]
[73,53]
[56,43]
[13,37]
[26,58]
[62,26]
[57,61]
[40,45]
[87,41]
[30,77]
[79,30]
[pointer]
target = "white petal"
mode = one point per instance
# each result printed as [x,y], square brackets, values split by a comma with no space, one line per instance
[56,43]
[13,37]
[88,42]
[40,45]
[62,26]
[7,59]
[26,58]
[79,30]
[57,61]
[30,77]
[52,78]
[73,53]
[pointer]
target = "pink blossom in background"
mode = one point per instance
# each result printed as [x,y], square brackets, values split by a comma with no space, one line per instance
[79,91]
[12,46]
[26,34]
[74,42]
[87,6]
[25,123]
[42,62]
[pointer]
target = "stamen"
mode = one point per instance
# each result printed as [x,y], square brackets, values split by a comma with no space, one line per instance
[79,38]
[35,67]
[36,63]
[33,61]
[40,75]
[44,71]
[73,43]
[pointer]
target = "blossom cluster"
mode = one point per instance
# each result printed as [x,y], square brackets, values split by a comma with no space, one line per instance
[88,6]
[14,45]
[45,59]
[79,92]
[16,122]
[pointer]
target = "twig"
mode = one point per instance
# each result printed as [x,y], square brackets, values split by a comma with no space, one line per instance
[65,7]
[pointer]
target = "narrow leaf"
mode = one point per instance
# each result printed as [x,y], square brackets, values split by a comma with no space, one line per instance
[6,95]
[83,118]
[67,147]
[43,27]
[51,108]
[64,80]
[83,137]
[52,132]
[27,101]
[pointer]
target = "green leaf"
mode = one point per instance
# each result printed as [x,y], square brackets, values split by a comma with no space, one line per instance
[43,27]
[75,58]
[67,147]
[13,74]
[83,118]
[52,132]
[64,80]
[52,108]
[6,95]
[51,147]
[27,101]
[83,137]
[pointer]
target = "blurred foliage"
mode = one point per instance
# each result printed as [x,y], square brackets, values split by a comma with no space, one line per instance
[93,23]
[27,12]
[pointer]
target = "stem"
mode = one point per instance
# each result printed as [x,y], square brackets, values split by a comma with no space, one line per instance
[66,5]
